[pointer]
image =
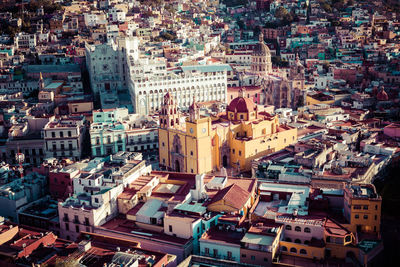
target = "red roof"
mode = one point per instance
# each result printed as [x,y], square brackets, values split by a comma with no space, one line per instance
[241,104]
[233,195]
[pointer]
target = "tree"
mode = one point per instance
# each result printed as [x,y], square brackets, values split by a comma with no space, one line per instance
[283,14]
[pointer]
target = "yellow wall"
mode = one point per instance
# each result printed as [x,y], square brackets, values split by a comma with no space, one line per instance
[312,252]
[201,144]
[367,225]
[340,251]
[313,101]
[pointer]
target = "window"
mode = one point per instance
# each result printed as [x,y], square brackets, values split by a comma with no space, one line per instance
[53,134]
[357,207]
[307,230]
[365,207]
[170,228]
[77,228]
[303,251]
[356,216]
[229,254]
[69,133]
[365,217]
[233,151]
[67,226]
[376,217]
[215,251]
[297,229]
[207,251]
[288,227]
[96,200]
[61,134]
[241,116]
[293,250]
[191,153]
[288,239]
[284,248]
[253,258]
[243,255]
[240,152]
[298,241]
[163,144]
[266,259]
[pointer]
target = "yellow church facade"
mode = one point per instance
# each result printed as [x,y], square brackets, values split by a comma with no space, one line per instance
[232,140]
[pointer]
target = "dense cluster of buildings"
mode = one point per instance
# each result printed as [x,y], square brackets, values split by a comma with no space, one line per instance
[196,133]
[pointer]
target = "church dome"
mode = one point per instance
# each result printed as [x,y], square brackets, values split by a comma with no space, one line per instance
[242,105]
[261,49]
[382,95]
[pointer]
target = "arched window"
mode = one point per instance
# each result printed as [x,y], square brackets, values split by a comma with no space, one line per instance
[284,248]
[307,230]
[288,227]
[306,242]
[298,241]
[293,250]
[288,239]
[297,229]
[303,251]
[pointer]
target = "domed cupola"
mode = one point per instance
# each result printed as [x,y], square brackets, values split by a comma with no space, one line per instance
[261,58]
[241,108]
[382,95]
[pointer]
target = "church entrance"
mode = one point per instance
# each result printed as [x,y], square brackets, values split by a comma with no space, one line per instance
[225,161]
[177,166]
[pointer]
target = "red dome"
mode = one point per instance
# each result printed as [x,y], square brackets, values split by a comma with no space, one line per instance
[241,104]
[382,95]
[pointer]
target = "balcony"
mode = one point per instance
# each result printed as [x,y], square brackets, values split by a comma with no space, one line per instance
[229,258]
[76,221]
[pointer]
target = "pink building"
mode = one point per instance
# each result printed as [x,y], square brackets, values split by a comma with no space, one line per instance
[60,182]
[252,92]
[392,130]
[349,75]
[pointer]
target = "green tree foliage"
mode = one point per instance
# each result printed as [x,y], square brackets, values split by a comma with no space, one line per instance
[283,14]
[48,6]
[277,61]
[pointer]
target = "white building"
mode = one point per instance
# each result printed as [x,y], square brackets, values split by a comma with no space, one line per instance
[25,40]
[63,137]
[96,189]
[202,82]
[95,18]
[116,15]
[107,63]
